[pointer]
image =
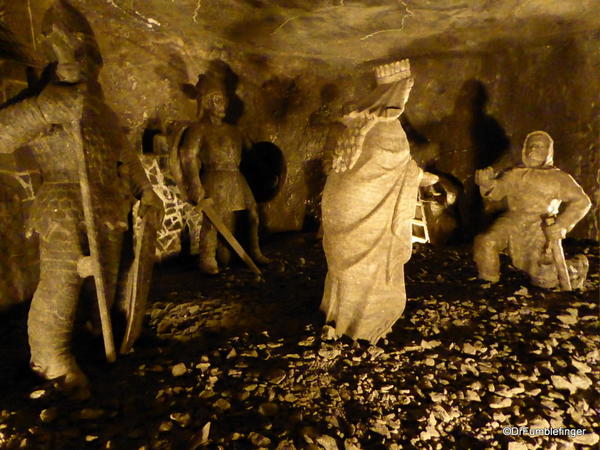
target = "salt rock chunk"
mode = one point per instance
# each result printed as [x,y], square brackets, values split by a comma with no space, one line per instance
[476,385]
[328,333]
[587,439]
[580,381]
[222,404]
[259,440]
[523,291]
[557,422]
[349,444]
[165,427]
[469,349]
[183,419]
[310,340]
[286,444]
[327,442]
[437,397]
[178,370]
[540,422]
[329,353]
[276,376]
[500,417]
[37,394]
[568,319]
[500,402]
[581,366]
[505,391]
[562,383]
[48,415]
[473,396]
[430,344]
[516,446]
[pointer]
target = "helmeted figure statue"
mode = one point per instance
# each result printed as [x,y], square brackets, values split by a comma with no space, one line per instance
[67,118]
[534,191]
[210,154]
[368,205]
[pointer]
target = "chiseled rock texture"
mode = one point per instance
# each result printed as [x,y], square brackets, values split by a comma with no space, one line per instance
[487,73]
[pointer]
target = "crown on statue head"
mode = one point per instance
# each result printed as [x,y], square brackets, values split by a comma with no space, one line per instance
[396,71]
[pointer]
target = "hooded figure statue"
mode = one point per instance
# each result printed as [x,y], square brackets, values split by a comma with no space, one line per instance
[368,205]
[534,191]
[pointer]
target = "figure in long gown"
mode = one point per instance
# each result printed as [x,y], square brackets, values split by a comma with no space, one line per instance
[368,205]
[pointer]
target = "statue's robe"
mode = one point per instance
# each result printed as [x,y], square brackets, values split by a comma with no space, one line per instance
[367,223]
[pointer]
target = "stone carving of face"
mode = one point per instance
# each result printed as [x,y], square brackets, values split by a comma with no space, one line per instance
[73,52]
[536,150]
[216,104]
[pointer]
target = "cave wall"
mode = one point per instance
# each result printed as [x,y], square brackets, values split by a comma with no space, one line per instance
[467,111]
[506,87]
[551,86]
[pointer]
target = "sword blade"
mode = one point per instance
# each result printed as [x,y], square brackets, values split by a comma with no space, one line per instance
[207,206]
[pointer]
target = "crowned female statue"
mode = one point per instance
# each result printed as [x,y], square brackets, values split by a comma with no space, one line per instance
[368,205]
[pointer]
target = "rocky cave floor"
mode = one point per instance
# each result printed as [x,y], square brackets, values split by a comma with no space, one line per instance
[229,362]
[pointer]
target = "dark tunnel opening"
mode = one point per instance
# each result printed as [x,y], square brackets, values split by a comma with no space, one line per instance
[264,167]
[148,140]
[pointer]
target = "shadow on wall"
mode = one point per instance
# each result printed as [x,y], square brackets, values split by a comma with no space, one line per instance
[265,169]
[466,140]
[315,178]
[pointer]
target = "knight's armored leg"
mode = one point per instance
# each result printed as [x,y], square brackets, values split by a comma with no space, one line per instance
[486,254]
[253,219]
[207,262]
[223,251]
[578,269]
[52,311]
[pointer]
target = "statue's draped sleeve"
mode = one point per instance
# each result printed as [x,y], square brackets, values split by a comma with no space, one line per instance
[498,189]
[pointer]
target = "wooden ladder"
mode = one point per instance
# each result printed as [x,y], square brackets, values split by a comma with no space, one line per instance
[419,223]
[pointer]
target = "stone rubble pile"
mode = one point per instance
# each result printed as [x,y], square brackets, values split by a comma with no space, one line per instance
[461,366]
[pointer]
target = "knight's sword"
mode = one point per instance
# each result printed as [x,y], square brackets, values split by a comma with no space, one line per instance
[207,205]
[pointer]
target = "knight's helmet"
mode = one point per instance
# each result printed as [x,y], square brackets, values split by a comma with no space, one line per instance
[209,83]
[69,41]
[549,156]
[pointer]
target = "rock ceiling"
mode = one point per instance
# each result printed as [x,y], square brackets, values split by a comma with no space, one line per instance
[350,31]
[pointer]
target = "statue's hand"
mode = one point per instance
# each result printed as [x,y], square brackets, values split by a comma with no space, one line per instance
[555,231]
[429,179]
[485,177]
[199,196]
